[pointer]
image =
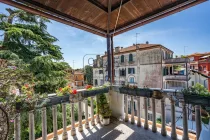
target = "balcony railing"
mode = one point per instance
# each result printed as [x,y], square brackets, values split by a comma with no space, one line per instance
[167,93]
[176,60]
[176,77]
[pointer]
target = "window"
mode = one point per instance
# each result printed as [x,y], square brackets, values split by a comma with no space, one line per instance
[131,70]
[122,59]
[123,72]
[204,68]
[122,82]
[200,68]
[193,83]
[100,71]
[131,80]
[96,82]
[130,57]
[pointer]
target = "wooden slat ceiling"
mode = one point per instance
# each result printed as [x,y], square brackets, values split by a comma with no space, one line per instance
[92,15]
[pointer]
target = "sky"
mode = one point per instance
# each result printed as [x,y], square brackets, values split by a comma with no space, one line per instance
[189,29]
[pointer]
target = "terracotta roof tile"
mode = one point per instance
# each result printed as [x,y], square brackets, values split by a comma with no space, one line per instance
[199,54]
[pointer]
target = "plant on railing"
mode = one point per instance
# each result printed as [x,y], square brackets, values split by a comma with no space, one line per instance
[92,91]
[64,91]
[103,109]
[197,95]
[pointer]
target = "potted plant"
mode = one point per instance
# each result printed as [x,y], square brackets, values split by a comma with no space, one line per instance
[103,109]
[145,92]
[89,91]
[197,95]
[157,94]
[62,95]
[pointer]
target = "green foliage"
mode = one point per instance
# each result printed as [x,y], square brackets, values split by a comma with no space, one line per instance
[103,106]
[158,120]
[89,74]
[197,89]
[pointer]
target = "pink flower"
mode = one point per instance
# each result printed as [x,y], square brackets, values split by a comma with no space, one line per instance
[11,121]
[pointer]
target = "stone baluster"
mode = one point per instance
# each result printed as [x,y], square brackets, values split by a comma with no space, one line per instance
[126,108]
[65,134]
[44,123]
[55,127]
[138,112]
[80,128]
[173,121]
[185,122]
[17,127]
[31,125]
[154,127]
[146,113]
[92,112]
[198,121]
[132,110]
[163,118]
[73,131]
[86,114]
[97,114]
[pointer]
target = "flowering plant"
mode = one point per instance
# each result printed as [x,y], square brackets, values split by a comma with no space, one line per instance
[28,90]
[89,87]
[65,91]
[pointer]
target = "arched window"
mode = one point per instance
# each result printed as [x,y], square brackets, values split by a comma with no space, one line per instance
[130,57]
[122,59]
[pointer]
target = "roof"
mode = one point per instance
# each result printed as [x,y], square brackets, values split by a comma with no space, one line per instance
[78,72]
[101,17]
[199,54]
[195,71]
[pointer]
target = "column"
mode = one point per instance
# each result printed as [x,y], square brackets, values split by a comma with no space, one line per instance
[80,128]
[173,121]
[65,135]
[132,110]
[97,114]
[17,127]
[126,107]
[44,123]
[163,118]
[198,121]
[86,114]
[146,113]
[154,127]
[31,125]
[73,131]
[185,124]
[55,127]
[138,112]
[92,112]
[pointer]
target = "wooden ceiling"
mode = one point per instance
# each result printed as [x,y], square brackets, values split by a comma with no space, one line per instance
[92,15]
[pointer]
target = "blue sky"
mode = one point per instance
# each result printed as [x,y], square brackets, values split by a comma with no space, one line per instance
[190,28]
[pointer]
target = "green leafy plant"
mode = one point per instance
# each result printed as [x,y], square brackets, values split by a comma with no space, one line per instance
[103,106]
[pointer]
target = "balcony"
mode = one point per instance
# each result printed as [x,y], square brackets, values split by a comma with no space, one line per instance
[176,60]
[122,124]
[176,78]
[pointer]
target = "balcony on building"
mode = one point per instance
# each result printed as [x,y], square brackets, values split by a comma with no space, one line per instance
[176,60]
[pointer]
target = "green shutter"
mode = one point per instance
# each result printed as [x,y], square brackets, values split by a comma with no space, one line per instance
[133,70]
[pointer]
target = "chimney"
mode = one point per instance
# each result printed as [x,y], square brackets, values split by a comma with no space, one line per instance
[147,42]
[105,53]
[121,48]
[97,57]
[117,49]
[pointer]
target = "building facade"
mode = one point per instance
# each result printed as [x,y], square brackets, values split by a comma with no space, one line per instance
[200,62]
[140,65]
[78,79]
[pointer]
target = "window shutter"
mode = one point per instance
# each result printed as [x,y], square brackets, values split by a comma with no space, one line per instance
[133,70]
[129,70]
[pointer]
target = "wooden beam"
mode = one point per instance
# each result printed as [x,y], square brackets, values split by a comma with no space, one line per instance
[116,6]
[99,5]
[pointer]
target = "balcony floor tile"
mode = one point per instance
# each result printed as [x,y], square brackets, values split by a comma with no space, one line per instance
[116,131]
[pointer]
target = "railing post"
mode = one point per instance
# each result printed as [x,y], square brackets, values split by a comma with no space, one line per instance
[132,110]
[80,128]
[138,112]
[31,125]
[55,127]
[185,123]
[154,127]
[97,114]
[73,131]
[163,118]
[126,107]
[146,113]
[92,112]
[198,121]
[86,114]
[44,123]
[17,127]
[65,135]
[173,121]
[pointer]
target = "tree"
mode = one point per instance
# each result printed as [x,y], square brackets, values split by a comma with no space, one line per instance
[89,74]
[26,35]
